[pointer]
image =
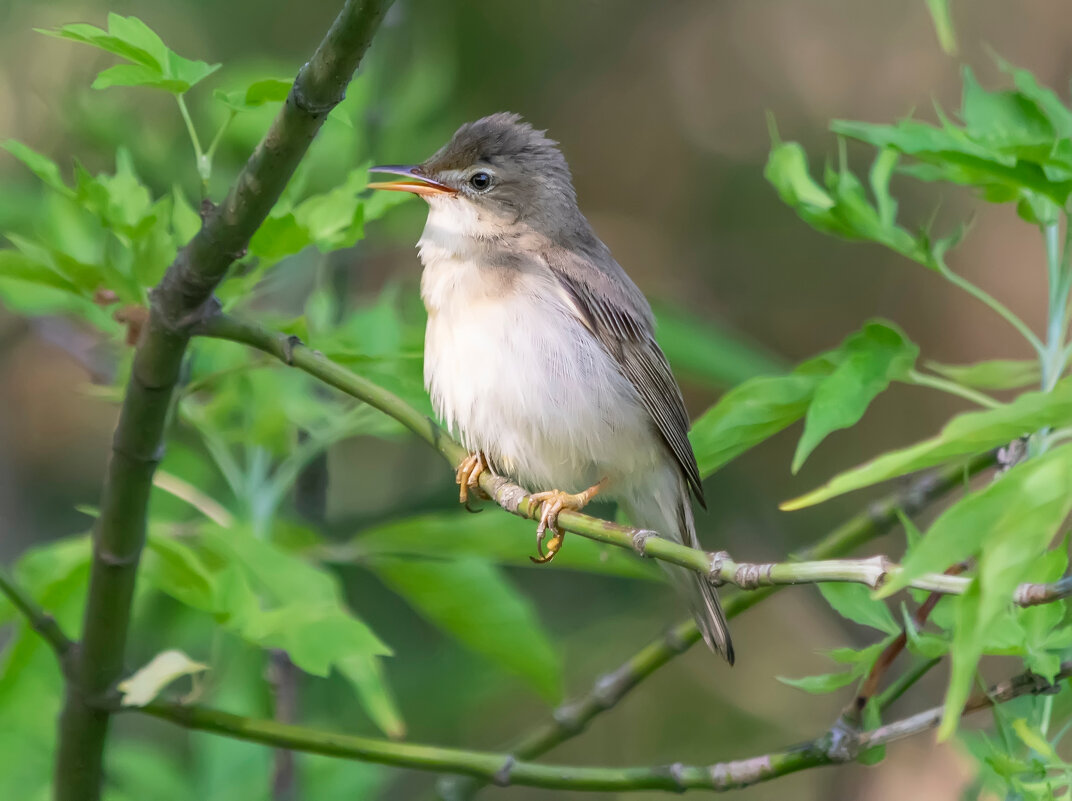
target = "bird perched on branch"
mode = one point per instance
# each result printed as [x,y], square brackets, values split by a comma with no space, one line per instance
[540,351]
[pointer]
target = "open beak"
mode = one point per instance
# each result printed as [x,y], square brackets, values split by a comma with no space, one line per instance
[420,186]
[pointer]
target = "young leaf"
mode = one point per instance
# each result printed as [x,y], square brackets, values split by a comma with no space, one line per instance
[147,682]
[872,719]
[964,435]
[854,602]
[870,360]
[41,166]
[1027,502]
[268,90]
[787,170]
[823,683]
[993,374]
[153,64]
[470,600]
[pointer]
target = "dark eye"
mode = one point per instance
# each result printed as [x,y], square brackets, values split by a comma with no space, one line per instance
[480,181]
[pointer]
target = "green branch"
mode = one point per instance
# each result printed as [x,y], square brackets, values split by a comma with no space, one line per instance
[718,566]
[40,620]
[837,746]
[184,294]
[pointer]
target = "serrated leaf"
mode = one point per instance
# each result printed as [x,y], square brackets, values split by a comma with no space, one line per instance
[164,668]
[870,360]
[1046,99]
[153,63]
[821,684]
[964,435]
[1002,119]
[992,374]
[854,602]
[470,600]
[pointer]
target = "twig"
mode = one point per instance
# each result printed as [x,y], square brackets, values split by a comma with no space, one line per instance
[183,296]
[718,566]
[831,748]
[870,685]
[572,718]
[40,620]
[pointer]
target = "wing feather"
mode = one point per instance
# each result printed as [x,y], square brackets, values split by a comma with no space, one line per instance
[629,340]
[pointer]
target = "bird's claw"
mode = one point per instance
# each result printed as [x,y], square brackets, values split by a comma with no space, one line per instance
[552,503]
[467,477]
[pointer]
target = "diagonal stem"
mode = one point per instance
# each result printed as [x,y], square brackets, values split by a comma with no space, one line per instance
[40,620]
[182,297]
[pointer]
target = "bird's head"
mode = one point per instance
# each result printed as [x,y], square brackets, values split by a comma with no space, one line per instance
[501,170]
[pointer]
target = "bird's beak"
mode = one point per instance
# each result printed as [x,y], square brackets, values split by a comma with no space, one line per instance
[421,186]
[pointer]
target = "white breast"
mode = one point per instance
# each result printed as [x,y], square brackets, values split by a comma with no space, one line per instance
[514,373]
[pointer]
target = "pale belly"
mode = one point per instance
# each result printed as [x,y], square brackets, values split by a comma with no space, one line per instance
[520,379]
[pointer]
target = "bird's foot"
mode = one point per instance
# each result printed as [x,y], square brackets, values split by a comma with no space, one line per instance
[468,475]
[552,503]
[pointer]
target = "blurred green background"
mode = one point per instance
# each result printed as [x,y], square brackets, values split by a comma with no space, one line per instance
[660,110]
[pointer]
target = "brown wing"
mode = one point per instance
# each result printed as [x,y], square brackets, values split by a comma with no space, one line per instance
[630,342]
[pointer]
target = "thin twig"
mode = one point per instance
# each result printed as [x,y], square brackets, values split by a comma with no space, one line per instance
[836,746]
[183,296]
[40,620]
[870,685]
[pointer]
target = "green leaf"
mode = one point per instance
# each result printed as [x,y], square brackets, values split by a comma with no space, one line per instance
[1031,498]
[872,719]
[268,90]
[41,166]
[870,359]
[787,170]
[1035,740]
[855,602]
[964,435]
[993,374]
[153,63]
[923,643]
[823,683]
[943,25]
[470,600]
[21,267]
[504,539]
[1058,114]
[1003,120]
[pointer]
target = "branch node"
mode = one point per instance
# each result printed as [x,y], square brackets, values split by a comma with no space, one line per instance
[843,742]
[508,494]
[739,774]
[502,775]
[675,642]
[754,576]
[640,540]
[606,690]
[301,100]
[566,718]
[714,571]
[115,560]
[677,773]
[289,344]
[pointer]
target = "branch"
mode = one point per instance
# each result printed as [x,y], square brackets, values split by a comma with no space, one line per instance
[40,620]
[836,746]
[717,566]
[183,296]
[571,719]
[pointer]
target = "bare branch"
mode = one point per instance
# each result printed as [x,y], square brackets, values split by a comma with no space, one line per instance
[40,620]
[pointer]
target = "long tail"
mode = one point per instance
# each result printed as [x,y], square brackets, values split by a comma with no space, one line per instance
[667,509]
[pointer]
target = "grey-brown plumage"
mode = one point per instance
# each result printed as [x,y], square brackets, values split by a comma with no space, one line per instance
[540,351]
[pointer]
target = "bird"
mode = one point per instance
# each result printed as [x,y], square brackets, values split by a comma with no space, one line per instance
[540,352]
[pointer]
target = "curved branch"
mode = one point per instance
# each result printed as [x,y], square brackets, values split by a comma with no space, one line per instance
[717,566]
[836,746]
[183,296]
[40,620]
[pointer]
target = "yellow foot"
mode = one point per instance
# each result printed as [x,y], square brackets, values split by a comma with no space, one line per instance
[552,503]
[468,475]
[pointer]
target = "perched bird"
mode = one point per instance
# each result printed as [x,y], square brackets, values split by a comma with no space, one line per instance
[540,351]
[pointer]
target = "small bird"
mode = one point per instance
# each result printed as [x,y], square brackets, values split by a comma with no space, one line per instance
[540,352]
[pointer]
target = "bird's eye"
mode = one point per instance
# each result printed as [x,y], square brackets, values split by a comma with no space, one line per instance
[480,181]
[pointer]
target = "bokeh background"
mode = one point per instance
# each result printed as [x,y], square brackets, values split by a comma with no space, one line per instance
[661,111]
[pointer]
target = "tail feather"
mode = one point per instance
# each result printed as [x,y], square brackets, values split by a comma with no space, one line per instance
[676,521]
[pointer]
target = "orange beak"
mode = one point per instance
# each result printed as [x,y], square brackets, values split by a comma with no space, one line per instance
[421,186]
